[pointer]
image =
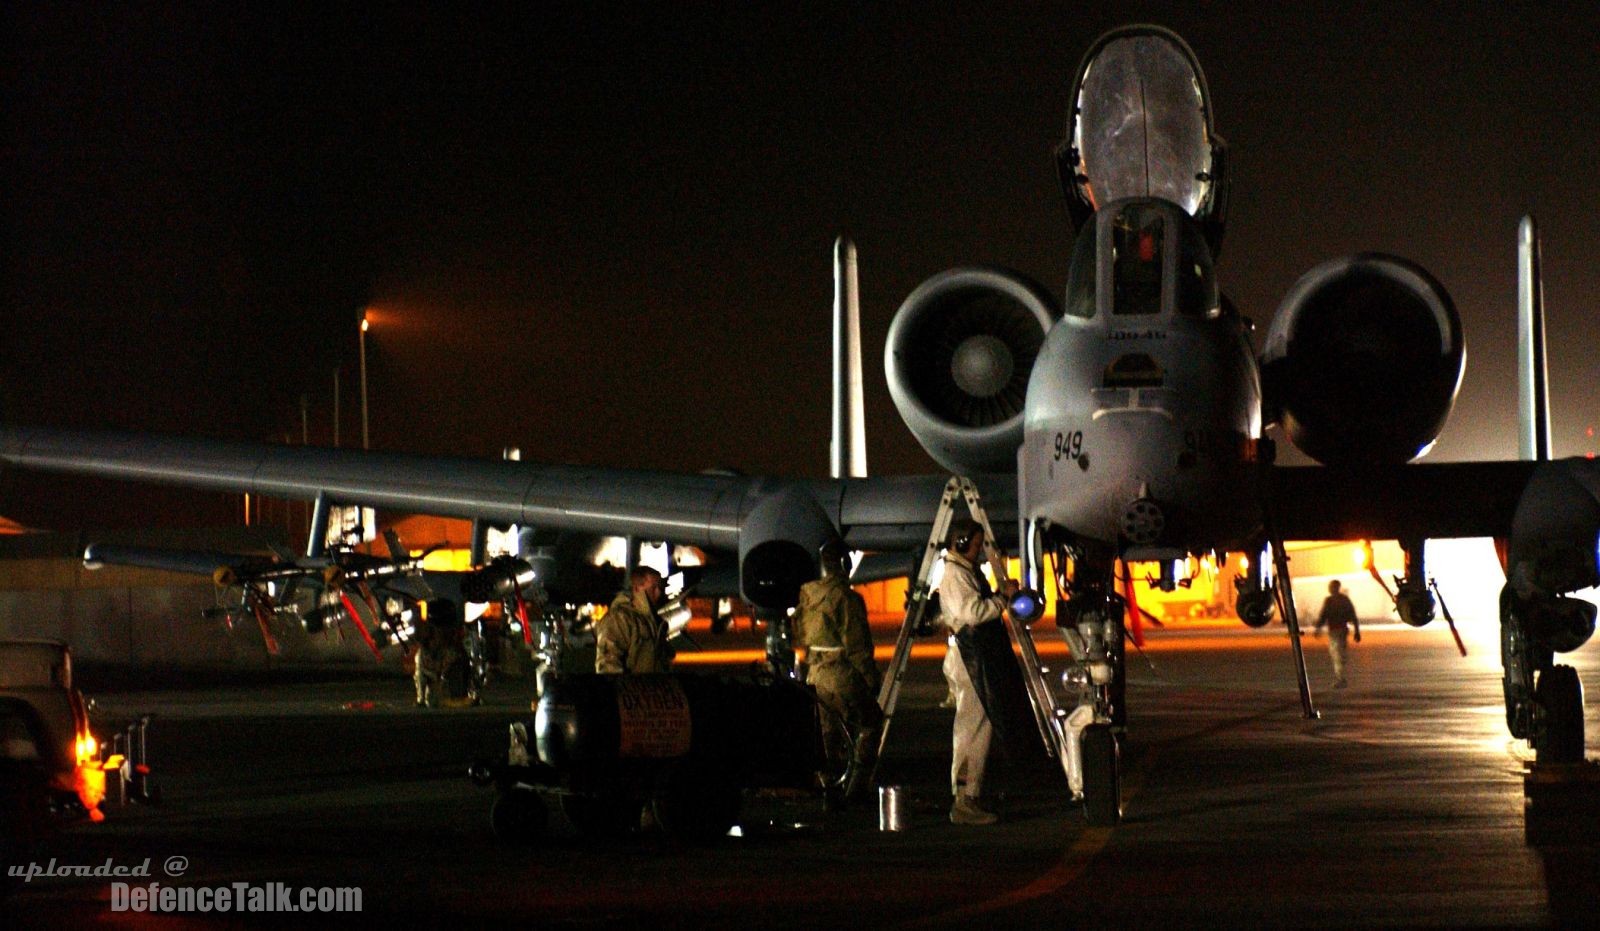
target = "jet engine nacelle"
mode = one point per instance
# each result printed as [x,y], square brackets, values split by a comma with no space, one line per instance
[1363,360]
[778,543]
[959,354]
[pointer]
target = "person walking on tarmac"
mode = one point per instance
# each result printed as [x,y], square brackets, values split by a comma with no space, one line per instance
[632,638]
[1339,615]
[831,623]
[968,604]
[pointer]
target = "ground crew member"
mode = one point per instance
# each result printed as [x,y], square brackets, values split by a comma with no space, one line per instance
[632,638]
[438,653]
[1340,615]
[966,602]
[831,623]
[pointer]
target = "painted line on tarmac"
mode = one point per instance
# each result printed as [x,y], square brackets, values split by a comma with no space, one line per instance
[1073,862]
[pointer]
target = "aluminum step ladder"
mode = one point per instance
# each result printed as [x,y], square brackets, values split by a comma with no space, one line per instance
[1048,712]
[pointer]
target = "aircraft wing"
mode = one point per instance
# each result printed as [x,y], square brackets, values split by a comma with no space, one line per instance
[699,510]
[1437,500]
[711,511]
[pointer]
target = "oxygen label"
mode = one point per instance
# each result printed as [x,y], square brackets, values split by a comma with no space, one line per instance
[654,717]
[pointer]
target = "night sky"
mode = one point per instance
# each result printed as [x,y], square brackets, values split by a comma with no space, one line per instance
[602,232]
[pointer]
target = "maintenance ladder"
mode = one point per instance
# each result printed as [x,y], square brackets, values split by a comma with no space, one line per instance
[1048,713]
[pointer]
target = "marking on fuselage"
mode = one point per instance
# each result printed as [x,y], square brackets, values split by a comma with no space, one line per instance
[1069,445]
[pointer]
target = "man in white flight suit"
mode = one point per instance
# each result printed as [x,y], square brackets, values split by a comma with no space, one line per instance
[966,601]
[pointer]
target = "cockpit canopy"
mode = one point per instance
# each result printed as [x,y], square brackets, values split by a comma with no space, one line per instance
[1142,257]
[1141,127]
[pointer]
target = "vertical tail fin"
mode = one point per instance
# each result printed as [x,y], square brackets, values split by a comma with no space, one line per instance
[848,449]
[1533,402]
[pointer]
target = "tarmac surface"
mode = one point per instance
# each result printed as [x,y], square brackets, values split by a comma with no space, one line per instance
[1402,805]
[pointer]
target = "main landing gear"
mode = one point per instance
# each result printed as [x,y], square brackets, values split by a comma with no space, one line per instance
[1544,699]
[1544,706]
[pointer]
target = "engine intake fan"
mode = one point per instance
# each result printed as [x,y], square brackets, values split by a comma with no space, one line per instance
[958,358]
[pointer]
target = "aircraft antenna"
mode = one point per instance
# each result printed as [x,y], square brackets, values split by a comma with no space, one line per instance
[848,449]
[1533,401]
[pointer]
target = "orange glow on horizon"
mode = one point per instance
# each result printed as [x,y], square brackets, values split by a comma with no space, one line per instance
[1050,645]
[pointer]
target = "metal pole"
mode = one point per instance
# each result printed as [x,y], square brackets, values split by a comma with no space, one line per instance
[366,438]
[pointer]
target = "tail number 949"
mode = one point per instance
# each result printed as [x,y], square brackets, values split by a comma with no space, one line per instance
[1069,445]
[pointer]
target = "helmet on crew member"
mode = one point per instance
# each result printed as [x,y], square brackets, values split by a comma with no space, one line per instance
[963,530]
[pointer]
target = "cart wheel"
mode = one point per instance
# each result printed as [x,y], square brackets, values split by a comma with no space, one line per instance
[519,816]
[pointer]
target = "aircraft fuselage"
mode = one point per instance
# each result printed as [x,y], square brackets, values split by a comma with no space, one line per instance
[1144,407]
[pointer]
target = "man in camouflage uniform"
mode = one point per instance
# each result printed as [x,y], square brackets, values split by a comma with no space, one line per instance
[831,623]
[632,638]
[438,650]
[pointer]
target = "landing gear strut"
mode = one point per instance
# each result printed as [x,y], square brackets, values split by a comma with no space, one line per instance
[1283,592]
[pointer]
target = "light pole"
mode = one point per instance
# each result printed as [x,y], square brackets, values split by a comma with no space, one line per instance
[366,438]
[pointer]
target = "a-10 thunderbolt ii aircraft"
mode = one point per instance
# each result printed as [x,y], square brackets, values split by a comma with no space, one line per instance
[1126,423]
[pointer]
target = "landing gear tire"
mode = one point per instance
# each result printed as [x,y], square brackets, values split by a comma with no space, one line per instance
[519,816]
[1560,694]
[1102,795]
